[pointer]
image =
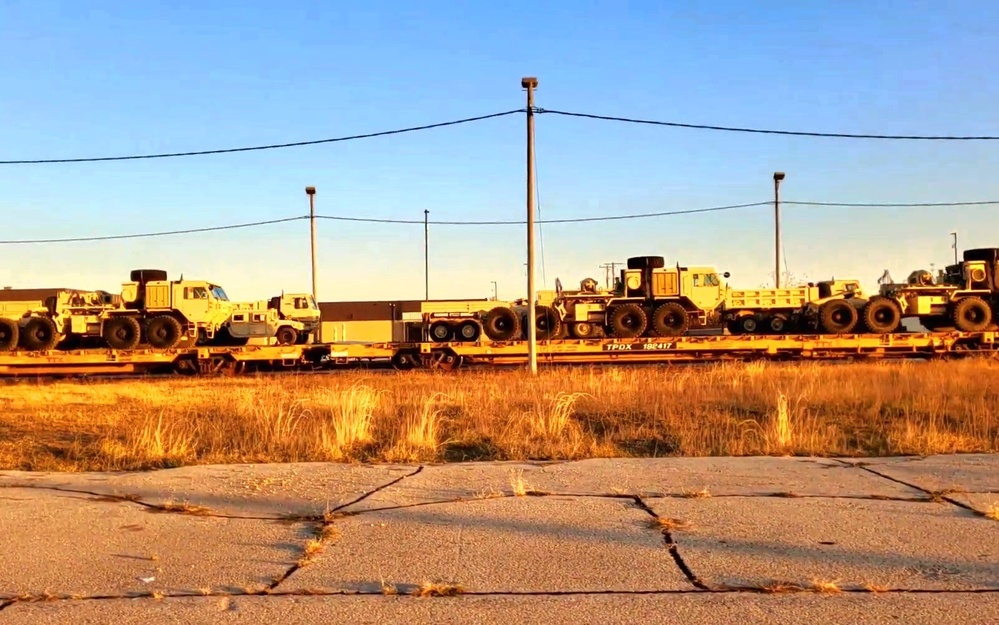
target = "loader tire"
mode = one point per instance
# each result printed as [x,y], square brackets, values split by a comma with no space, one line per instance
[163,332]
[971,314]
[627,321]
[10,333]
[122,333]
[646,262]
[441,332]
[837,316]
[501,324]
[39,334]
[670,320]
[547,322]
[881,315]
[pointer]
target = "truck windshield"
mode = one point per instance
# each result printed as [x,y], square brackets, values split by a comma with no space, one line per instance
[219,293]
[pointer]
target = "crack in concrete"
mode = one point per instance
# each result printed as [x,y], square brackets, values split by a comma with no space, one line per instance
[332,515]
[790,589]
[674,549]
[934,496]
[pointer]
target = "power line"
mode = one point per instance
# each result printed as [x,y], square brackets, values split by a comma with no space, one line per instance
[492,223]
[901,205]
[769,132]
[264,147]
[547,221]
[156,234]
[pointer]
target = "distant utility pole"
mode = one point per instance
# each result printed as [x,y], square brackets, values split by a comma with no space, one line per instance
[609,272]
[426,254]
[495,292]
[311,192]
[954,234]
[778,176]
[530,84]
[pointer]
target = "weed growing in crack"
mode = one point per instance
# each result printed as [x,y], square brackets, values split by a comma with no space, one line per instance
[669,524]
[704,493]
[436,589]
[313,547]
[519,484]
[993,512]
[826,586]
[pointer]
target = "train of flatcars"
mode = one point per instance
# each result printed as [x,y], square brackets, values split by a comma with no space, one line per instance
[653,313]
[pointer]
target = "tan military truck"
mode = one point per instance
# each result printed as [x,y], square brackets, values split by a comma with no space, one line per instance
[964,297]
[289,319]
[654,300]
[155,311]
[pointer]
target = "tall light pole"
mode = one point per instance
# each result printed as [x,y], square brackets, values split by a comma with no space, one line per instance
[495,292]
[778,176]
[530,83]
[426,254]
[311,192]
[954,234]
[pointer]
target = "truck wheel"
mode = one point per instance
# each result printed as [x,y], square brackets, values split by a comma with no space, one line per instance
[777,324]
[670,320]
[122,332]
[163,332]
[748,324]
[627,321]
[547,322]
[440,332]
[881,315]
[468,331]
[501,324]
[582,330]
[971,314]
[837,316]
[39,334]
[286,335]
[10,333]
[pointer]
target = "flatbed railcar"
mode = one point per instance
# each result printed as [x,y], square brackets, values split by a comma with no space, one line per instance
[454,355]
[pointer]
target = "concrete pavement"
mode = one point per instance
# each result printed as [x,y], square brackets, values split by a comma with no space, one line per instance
[691,540]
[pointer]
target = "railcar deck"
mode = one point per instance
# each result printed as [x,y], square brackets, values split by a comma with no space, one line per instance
[405,356]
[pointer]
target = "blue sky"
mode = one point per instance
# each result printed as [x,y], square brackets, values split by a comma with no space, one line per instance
[113,78]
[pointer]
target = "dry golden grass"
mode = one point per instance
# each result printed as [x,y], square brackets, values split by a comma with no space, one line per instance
[726,409]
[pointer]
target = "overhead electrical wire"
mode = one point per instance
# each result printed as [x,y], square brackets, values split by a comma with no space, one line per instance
[157,234]
[490,223]
[838,135]
[273,146]
[538,110]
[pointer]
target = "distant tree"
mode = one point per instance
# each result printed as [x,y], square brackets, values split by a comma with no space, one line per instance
[786,279]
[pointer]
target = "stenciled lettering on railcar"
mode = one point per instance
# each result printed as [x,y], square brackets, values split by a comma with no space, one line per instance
[639,347]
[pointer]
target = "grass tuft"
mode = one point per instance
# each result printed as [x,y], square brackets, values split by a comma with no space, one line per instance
[436,589]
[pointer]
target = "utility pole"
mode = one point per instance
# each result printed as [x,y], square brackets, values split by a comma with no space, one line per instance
[311,192]
[426,254]
[530,83]
[609,272]
[954,234]
[495,292]
[778,176]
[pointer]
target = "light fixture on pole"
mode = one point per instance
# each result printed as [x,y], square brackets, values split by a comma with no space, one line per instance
[778,176]
[311,192]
